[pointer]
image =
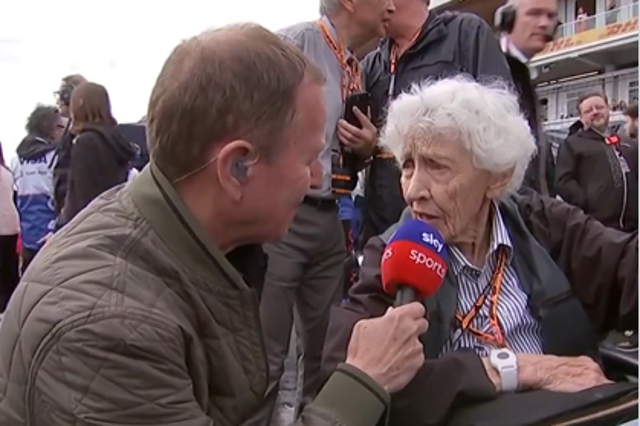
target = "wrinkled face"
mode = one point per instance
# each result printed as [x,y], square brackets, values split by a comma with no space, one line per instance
[631,126]
[372,16]
[594,112]
[276,187]
[442,186]
[535,22]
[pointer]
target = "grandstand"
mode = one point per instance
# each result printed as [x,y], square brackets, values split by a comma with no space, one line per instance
[597,52]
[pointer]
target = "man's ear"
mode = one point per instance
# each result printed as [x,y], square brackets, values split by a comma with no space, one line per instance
[348,4]
[498,183]
[233,167]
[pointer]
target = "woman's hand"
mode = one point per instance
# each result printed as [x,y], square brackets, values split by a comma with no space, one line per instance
[559,374]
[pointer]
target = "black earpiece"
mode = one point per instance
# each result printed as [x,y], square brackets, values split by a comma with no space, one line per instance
[239,169]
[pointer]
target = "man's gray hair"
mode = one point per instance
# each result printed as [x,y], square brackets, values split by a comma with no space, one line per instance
[485,118]
[328,7]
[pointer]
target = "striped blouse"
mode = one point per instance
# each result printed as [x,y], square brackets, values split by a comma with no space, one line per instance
[521,331]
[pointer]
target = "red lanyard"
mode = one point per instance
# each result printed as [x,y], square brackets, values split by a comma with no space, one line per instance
[496,336]
[351,79]
[393,60]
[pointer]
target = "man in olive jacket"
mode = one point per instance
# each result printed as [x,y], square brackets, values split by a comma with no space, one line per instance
[143,309]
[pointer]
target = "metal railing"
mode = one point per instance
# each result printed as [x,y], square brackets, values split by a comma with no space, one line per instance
[599,20]
[619,96]
[594,81]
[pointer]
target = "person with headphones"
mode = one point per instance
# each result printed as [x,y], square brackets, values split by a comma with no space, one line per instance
[525,27]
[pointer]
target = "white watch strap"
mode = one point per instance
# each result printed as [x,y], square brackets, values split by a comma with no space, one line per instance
[509,378]
[506,364]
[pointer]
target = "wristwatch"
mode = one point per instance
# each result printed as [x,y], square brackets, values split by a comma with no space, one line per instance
[506,363]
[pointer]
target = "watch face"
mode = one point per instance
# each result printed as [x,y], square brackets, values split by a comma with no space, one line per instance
[503,356]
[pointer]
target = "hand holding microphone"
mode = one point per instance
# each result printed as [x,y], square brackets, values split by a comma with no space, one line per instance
[413,266]
[414,263]
[388,348]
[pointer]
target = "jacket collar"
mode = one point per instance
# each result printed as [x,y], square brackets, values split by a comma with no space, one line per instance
[510,49]
[499,236]
[168,216]
[433,30]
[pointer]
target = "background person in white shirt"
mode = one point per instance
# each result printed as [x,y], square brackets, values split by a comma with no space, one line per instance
[9,231]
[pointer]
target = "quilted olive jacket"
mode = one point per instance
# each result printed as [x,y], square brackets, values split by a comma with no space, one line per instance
[128,316]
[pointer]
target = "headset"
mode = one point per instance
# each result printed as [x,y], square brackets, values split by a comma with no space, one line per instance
[239,169]
[504,21]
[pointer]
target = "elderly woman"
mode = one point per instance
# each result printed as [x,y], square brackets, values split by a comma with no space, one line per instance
[532,282]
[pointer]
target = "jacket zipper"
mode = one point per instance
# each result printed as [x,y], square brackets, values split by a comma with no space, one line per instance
[620,158]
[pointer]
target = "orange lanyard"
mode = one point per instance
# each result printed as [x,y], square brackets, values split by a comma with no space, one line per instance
[393,61]
[496,337]
[351,78]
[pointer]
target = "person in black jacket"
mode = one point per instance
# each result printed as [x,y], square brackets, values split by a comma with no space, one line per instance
[422,45]
[631,121]
[525,27]
[100,156]
[598,172]
[62,156]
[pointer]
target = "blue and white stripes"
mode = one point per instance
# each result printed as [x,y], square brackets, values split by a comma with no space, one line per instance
[522,331]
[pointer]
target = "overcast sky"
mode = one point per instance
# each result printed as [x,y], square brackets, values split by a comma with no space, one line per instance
[120,44]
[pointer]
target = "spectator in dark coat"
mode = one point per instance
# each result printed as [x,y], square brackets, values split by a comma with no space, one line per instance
[63,150]
[596,170]
[100,156]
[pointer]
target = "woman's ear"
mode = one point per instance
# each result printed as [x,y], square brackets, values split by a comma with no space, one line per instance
[498,183]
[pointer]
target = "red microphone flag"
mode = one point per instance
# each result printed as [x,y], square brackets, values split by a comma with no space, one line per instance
[415,257]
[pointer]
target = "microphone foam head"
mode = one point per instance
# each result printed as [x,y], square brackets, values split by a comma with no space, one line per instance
[416,257]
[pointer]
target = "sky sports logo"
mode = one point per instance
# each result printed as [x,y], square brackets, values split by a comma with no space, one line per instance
[433,241]
[419,258]
[432,264]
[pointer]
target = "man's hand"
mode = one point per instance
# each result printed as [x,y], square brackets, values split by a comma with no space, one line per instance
[558,374]
[388,348]
[361,141]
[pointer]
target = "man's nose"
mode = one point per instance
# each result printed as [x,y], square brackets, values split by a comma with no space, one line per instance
[546,22]
[315,175]
[391,6]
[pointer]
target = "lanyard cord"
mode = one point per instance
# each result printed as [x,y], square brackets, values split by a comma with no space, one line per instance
[393,60]
[351,78]
[492,293]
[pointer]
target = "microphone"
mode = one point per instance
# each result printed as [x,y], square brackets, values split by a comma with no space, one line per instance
[414,263]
